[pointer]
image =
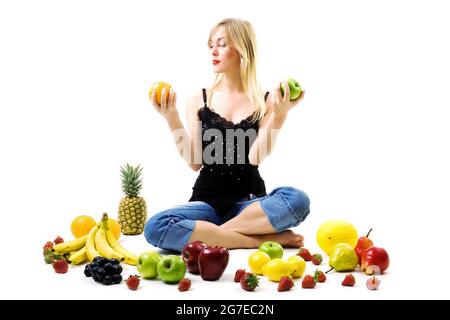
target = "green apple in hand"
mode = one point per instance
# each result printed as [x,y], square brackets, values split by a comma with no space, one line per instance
[294,88]
[272,248]
[147,263]
[171,269]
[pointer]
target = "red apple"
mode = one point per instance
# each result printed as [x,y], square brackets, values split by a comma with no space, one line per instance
[362,244]
[190,254]
[374,260]
[212,262]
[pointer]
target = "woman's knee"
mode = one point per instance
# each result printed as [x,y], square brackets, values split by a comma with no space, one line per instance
[298,201]
[155,227]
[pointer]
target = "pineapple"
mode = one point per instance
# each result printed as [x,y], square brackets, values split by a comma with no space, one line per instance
[132,209]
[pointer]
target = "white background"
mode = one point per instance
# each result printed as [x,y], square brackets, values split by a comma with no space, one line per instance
[369,143]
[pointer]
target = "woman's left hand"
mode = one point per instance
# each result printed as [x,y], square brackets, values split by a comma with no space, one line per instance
[279,104]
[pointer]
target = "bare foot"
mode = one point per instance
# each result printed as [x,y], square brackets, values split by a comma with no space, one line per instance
[286,238]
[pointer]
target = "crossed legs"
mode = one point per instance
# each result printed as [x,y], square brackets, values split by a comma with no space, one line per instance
[247,230]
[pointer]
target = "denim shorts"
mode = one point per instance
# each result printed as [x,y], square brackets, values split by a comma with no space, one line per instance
[286,207]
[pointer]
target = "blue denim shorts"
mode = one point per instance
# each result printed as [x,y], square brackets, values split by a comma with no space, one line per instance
[286,207]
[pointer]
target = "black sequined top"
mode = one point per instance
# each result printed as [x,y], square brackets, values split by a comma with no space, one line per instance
[226,176]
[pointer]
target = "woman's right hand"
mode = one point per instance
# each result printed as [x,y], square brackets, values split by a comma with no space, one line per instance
[168,107]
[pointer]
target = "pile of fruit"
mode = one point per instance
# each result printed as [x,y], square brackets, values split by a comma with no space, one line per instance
[58,262]
[100,241]
[97,243]
[338,239]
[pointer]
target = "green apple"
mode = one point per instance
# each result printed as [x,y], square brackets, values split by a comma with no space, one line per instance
[272,248]
[147,263]
[171,269]
[294,88]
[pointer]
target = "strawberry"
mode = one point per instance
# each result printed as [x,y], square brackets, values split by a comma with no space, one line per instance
[60,266]
[317,259]
[249,281]
[133,282]
[49,258]
[58,240]
[320,276]
[309,282]
[304,253]
[184,285]
[238,275]
[285,284]
[48,246]
[349,281]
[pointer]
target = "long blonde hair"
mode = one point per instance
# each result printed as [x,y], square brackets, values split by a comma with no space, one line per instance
[241,35]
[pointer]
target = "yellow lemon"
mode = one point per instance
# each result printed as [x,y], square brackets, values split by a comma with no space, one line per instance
[298,266]
[81,225]
[277,268]
[257,260]
[333,232]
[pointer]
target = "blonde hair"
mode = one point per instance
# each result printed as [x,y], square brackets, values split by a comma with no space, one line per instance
[242,37]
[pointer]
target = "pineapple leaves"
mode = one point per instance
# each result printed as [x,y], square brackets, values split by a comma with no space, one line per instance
[131,180]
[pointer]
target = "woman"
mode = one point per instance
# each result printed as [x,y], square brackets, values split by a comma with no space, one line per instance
[229,206]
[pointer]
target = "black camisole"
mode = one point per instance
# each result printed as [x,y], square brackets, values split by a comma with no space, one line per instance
[226,176]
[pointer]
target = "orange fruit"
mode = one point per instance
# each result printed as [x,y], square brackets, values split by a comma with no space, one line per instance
[115,228]
[158,86]
[81,225]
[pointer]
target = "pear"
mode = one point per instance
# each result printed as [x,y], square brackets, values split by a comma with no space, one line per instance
[343,257]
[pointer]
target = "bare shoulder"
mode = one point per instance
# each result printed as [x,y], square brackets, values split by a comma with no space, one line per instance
[195,100]
[194,103]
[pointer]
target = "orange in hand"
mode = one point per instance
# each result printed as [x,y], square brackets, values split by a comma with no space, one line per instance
[158,86]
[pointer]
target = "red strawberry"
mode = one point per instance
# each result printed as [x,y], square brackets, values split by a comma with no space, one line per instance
[249,281]
[60,266]
[133,282]
[309,282]
[184,285]
[317,259]
[349,281]
[238,275]
[304,253]
[285,284]
[320,276]
[58,240]
[48,246]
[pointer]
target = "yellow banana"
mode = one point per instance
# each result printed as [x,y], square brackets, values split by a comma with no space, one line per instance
[78,257]
[91,252]
[102,245]
[69,246]
[129,258]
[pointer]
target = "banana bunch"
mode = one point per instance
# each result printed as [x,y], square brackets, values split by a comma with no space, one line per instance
[100,241]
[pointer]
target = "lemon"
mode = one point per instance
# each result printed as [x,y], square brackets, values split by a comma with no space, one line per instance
[277,268]
[333,232]
[257,260]
[298,266]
